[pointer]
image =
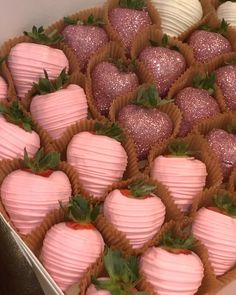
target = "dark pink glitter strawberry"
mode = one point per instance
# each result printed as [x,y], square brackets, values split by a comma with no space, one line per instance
[85,38]
[110,80]
[223,144]
[226,79]
[145,124]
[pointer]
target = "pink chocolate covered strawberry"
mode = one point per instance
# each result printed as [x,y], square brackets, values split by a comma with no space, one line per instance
[27,61]
[112,79]
[29,194]
[57,107]
[3,84]
[69,248]
[197,103]
[85,37]
[129,209]
[218,235]
[207,43]
[144,122]
[129,19]
[16,132]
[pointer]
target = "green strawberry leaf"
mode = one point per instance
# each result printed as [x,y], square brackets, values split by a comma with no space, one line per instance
[140,188]
[3,59]
[232,61]
[224,203]
[179,148]
[132,4]
[205,82]
[231,128]
[70,21]
[170,240]
[38,35]
[154,43]
[220,30]
[112,130]
[165,40]
[123,66]
[90,21]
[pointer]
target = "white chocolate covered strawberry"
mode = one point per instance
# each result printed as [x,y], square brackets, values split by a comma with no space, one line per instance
[137,212]
[99,159]
[173,268]
[227,11]
[215,227]
[69,248]
[183,175]
[55,108]
[27,61]
[16,133]
[29,194]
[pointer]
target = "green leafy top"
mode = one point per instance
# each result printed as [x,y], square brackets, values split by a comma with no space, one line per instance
[149,98]
[232,61]
[132,4]
[221,29]
[124,66]
[15,115]
[41,162]
[170,240]
[112,130]
[81,211]
[164,43]
[47,86]
[224,203]
[205,82]
[39,36]
[141,188]
[3,59]
[231,128]
[123,274]
[90,21]
[180,149]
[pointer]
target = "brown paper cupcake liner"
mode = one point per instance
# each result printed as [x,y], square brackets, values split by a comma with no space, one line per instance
[114,51]
[232,181]
[111,4]
[6,75]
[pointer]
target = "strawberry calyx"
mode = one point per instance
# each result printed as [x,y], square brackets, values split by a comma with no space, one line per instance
[231,128]
[205,82]
[132,4]
[164,43]
[45,173]
[179,148]
[39,36]
[148,97]
[124,66]
[90,21]
[220,30]
[3,59]
[224,205]
[112,130]
[139,189]
[231,61]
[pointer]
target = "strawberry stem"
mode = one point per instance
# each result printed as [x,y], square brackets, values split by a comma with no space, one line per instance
[38,35]
[90,21]
[132,4]
[224,202]
[140,188]
[124,66]
[179,148]
[171,240]
[205,82]
[112,130]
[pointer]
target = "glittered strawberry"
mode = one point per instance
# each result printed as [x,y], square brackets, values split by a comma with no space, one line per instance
[223,143]
[196,103]
[129,19]
[85,37]
[111,79]
[208,43]
[144,122]
[3,84]
[226,80]
[70,247]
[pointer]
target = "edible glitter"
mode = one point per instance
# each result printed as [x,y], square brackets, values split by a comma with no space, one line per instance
[166,66]
[207,45]
[224,146]
[145,126]
[85,40]
[195,105]
[108,82]
[226,79]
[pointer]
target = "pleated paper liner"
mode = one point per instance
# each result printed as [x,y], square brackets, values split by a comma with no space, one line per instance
[6,75]
[114,51]
[112,4]
[232,181]
[114,237]
[209,282]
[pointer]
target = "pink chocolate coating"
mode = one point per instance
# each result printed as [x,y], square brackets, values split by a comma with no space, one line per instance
[128,22]
[67,253]
[14,139]
[93,291]
[99,160]
[138,219]
[226,79]
[58,110]
[218,233]
[172,274]
[28,197]
[185,177]
[165,65]
[3,89]
[27,61]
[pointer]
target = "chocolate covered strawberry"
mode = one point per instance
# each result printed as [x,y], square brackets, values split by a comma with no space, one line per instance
[112,79]
[223,143]
[129,209]
[98,157]
[215,228]
[182,174]
[172,268]
[144,122]
[165,65]
[3,84]
[16,132]
[28,194]
[197,103]
[27,61]
[70,247]
[207,44]
[128,19]
[226,80]
[85,37]
[56,107]
[123,276]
